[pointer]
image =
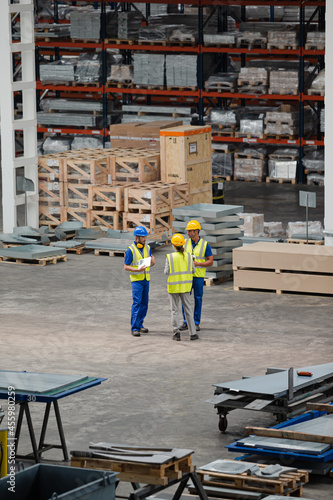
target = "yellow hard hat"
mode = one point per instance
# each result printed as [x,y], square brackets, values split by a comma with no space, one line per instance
[193,224]
[178,240]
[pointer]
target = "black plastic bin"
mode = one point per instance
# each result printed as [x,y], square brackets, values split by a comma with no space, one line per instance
[55,482]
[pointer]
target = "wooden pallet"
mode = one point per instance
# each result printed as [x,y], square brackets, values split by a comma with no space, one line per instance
[250,136]
[287,484]
[280,181]
[304,242]
[176,87]
[120,41]
[278,137]
[153,43]
[119,85]
[316,92]
[282,46]
[247,179]
[314,46]
[139,473]
[110,253]
[273,91]
[78,250]
[41,262]
[148,87]
[251,156]
[216,281]
[224,132]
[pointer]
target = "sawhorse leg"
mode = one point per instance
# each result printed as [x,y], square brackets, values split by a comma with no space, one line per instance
[24,409]
[42,445]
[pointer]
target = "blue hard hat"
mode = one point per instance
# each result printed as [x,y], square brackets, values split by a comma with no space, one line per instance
[140,231]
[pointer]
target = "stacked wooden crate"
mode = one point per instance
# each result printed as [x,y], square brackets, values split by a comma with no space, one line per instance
[117,188]
[186,156]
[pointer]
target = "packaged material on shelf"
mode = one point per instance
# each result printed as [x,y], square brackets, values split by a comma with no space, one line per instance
[58,71]
[87,141]
[250,169]
[254,76]
[226,117]
[315,40]
[71,119]
[48,30]
[222,164]
[224,38]
[256,12]
[295,228]
[120,73]
[286,38]
[253,224]
[251,39]
[284,82]
[315,180]
[291,14]
[318,84]
[285,121]
[148,69]
[155,9]
[88,68]
[182,34]
[284,154]
[56,145]
[273,229]
[129,24]
[222,81]
[322,120]
[252,123]
[72,105]
[315,160]
[282,169]
[86,24]
[181,70]
[153,33]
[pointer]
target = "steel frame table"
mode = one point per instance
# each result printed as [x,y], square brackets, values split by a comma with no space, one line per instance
[23,399]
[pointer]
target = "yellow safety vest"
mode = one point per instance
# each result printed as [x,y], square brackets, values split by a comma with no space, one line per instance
[180,272]
[199,253]
[135,263]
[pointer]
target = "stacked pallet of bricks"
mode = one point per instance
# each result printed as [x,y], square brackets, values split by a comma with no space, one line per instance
[284,122]
[117,188]
[250,165]
[253,81]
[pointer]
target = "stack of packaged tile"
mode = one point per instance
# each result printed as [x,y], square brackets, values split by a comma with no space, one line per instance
[297,230]
[318,84]
[253,80]
[285,121]
[252,122]
[219,227]
[181,70]
[253,225]
[251,164]
[129,24]
[86,24]
[315,40]
[283,37]
[222,82]
[225,38]
[224,121]
[223,160]
[54,31]
[148,69]
[314,165]
[58,71]
[145,113]
[282,163]
[73,113]
[284,82]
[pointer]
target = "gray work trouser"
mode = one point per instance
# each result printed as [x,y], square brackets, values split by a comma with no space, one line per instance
[176,300]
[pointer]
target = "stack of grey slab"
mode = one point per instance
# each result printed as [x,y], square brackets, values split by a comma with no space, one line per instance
[52,30]
[181,70]
[219,227]
[148,69]
[112,239]
[58,71]
[88,68]
[73,112]
[132,112]
[70,119]
[31,252]
[87,24]
[129,24]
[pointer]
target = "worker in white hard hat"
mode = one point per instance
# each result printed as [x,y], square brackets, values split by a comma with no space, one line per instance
[203,258]
[180,269]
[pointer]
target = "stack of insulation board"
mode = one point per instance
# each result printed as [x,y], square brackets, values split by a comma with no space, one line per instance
[219,227]
[250,164]
[116,188]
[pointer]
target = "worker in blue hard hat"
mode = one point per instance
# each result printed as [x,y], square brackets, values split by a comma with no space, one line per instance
[138,261]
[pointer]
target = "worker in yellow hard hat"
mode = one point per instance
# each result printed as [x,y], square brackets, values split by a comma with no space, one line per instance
[203,258]
[180,269]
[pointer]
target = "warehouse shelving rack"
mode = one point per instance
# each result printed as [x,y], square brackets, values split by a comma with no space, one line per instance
[199,95]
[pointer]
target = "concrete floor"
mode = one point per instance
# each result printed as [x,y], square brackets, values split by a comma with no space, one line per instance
[73,318]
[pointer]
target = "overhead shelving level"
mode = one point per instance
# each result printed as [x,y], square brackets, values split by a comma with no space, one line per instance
[201,97]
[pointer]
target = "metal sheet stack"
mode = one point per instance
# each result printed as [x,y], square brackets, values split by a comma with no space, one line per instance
[148,69]
[219,227]
[87,24]
[58,71]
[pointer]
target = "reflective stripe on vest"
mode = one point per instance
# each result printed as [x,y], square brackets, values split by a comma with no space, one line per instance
[199,252]
[135,263]
[180,272]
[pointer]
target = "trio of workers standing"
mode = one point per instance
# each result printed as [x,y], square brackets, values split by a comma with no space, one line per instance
[185,268]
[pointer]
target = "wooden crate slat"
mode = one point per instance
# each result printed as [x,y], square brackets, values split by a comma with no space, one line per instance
[100,196]
[149,198]
[89,168]
[111,220]
[154,223]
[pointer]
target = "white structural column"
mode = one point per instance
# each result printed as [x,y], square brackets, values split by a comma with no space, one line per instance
[328,220]
[24,49]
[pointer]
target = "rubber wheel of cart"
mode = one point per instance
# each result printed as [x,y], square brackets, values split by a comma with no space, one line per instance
[223,423]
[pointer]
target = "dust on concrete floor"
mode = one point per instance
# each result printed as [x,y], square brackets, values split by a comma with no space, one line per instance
[73,318]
